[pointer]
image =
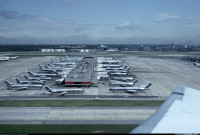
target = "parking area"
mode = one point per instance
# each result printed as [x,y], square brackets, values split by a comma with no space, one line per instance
[164,74]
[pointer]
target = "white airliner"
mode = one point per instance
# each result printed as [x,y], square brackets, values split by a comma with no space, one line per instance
[124,78]
[7,58]
[119,74]
[30,82]
[119,71]
[51,69]
[40,74]
[123,84]
[196,64]
[111,61]
[113,65]
[4,58]
[115,68]
[131,89]
[64,91]
[62,63]
[37,78]
[68,59]
[21,86]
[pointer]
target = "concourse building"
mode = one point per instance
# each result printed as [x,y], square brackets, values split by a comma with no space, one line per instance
[81,75]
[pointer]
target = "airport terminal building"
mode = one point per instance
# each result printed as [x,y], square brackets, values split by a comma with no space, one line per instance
[81,75]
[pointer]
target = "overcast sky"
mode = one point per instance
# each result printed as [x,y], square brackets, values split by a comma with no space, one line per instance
[99,21]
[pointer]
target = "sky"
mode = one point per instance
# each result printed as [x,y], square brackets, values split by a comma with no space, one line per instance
[99,21]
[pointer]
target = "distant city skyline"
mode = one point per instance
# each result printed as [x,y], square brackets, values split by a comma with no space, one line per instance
[99,21]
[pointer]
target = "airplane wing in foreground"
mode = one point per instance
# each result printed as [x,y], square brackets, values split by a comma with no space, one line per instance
[180,113]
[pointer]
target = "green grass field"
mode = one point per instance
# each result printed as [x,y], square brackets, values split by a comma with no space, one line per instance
[58,129]
[62,129]
[79,103]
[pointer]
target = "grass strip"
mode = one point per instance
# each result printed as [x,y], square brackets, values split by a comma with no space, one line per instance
[79,103]
[53,129]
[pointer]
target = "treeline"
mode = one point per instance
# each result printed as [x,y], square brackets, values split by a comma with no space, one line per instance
[21,48]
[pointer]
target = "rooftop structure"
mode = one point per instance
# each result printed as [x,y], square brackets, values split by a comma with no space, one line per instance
[81,74]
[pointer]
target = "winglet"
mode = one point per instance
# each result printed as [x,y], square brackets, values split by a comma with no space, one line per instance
[30,72]
[148,85]
[17,79]
[52,61]
[134,82]
[61,58]
[123,62]
[41,67]
[48,89]
[8,84]
[26,77]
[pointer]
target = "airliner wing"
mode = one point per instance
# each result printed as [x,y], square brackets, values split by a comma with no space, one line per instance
[21,88]
[180,113]
[62,93]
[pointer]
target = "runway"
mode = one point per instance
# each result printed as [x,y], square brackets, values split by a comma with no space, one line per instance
[75,115]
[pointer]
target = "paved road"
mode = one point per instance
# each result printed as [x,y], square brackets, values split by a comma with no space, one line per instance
[82,97]
[75,115]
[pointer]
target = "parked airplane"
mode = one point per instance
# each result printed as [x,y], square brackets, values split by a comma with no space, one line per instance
[196,64]
[51,69]
[64,91]
[68,59]
[30,82]
[115,68]
[112,61]
[113,65]
[4,58]
[37,78]
[131,89]
[119,71]
[54,66]
[119,74]
[63,63]
[124,78]
[123,84]
[14,57]
[7,58]
[21,86]
[40,74]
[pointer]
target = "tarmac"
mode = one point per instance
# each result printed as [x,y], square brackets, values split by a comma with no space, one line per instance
[75,115]
[165,75]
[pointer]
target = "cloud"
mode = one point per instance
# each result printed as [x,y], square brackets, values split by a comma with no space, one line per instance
[8,15]
[166,16]
[126,25]
[190,18]
[5,14]
[3,2]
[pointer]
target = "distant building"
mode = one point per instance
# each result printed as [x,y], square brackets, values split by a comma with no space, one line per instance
[146,48]
[52,50]
[112,50]
[103,48]
[59,50]
[84,50]
[47,50]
